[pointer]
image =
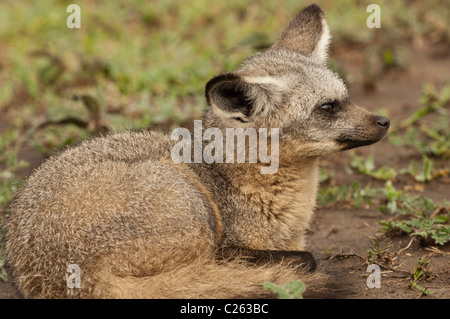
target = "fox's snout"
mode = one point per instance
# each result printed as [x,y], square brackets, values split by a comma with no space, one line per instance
[373,129]
[383,122]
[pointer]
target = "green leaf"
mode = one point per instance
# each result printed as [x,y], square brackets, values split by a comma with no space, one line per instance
[295,289]
[291,290]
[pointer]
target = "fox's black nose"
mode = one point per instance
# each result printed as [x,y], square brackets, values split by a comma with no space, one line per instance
[383,121]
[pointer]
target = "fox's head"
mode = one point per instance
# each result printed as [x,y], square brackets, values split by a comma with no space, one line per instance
[289,86]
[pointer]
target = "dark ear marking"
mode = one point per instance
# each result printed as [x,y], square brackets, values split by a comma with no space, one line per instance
[219,78]
[243,98]
[229,93]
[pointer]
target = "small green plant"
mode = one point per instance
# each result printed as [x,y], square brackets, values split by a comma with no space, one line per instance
[379,253]
[420,217]
[401,203]
[411,138]
[427,169]
[434,141]
[434,231]
[431,101]
[423,290]
[367,167]
[417,115]
[418,205]
[440,140]
[329,195]
[354,195]
[421,273]
[421,174]
[294,289]
[393,196]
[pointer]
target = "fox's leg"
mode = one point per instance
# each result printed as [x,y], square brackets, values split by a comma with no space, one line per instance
[298,259]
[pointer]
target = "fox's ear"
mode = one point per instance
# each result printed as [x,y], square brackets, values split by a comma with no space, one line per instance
[307,33]
[240,98]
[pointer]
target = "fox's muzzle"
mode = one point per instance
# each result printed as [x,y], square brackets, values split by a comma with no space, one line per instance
[376,129]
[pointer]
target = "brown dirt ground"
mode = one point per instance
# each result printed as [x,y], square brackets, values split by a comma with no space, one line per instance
[338,237]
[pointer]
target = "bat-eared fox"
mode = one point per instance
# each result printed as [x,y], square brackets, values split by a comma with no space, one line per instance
[137,224]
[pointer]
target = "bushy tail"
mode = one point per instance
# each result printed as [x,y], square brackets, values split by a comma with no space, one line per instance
[203,279]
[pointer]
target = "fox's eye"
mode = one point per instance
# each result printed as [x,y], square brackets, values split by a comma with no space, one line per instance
[330,108]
